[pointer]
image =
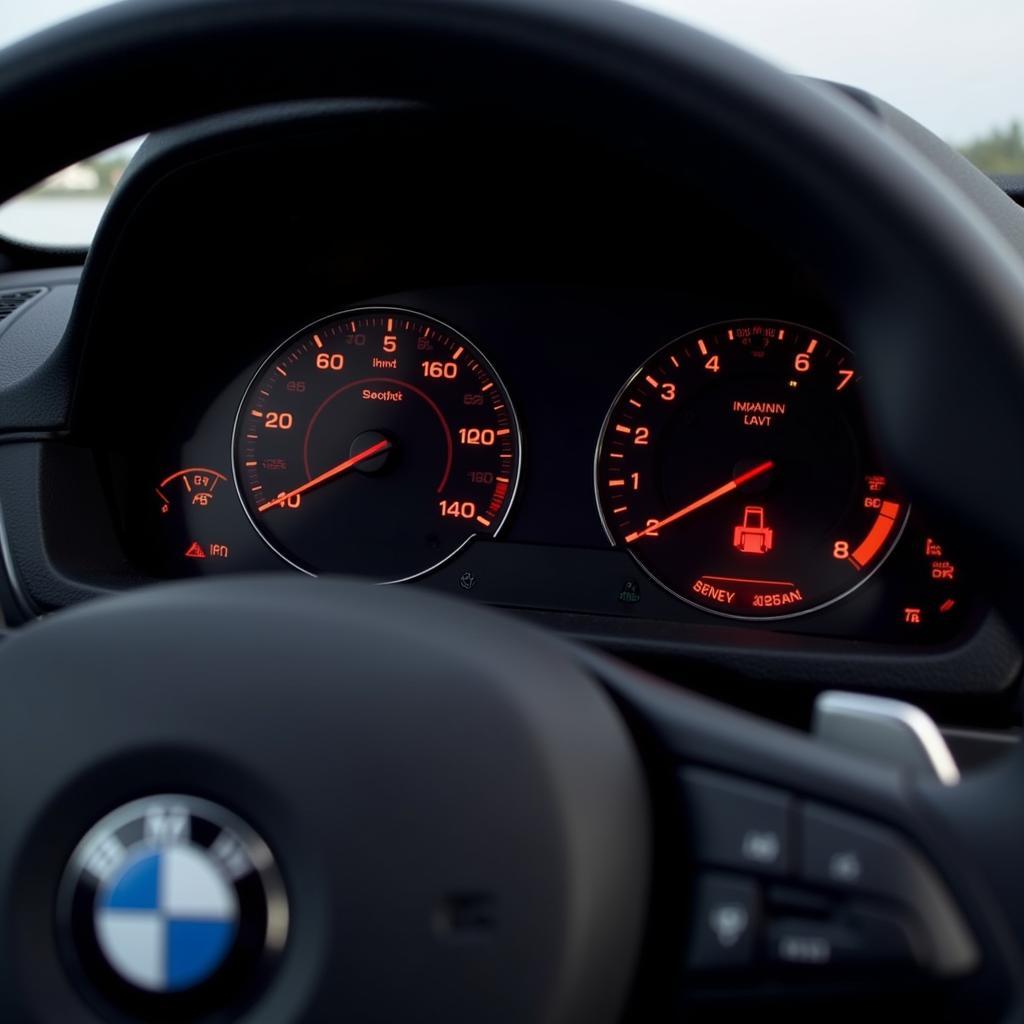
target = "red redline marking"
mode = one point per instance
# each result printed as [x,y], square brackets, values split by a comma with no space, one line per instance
[877,535]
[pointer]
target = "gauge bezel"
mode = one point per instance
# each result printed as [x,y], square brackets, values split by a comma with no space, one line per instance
[353,311]
[657,353]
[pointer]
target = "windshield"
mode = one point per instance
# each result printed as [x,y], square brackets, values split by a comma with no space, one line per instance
[952,65]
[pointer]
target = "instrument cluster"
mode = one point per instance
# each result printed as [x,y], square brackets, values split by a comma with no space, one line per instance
[601,465]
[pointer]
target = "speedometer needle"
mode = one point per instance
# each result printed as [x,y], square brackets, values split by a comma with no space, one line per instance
[706,500]
[341,467]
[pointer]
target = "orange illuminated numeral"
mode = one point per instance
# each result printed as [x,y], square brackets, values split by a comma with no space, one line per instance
[477,436]
[802,363]
[872,502]
[458,509]
[439,370]
[648,531]
[641,435]
[330,361]
[390,342]
[279,421]
[291,501]
[668,392]
[845,376]
[841,549]
[712,364]
[635,477]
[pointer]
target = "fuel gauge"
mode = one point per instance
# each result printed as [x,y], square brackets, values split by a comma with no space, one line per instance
[191,530]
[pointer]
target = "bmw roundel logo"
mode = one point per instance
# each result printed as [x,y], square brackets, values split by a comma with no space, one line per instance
[172,901]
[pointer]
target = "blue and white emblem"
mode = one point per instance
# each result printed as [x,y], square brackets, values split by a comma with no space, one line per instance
[166,918]
[174,898]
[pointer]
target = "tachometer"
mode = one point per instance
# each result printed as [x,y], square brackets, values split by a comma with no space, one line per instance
[737,468]
[376,442]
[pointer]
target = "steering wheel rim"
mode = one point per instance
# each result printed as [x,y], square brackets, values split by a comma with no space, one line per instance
[919,272]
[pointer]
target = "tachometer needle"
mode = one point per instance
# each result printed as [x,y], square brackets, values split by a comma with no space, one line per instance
[341,467]
[706,500]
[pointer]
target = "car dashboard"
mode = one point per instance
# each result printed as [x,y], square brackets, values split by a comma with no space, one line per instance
[377,340]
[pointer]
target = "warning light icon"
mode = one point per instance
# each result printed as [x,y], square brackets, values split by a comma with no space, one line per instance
[753,536]
[195,550]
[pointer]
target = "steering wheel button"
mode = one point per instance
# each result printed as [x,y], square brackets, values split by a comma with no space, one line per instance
[845,852]
[726,923]
[738,824]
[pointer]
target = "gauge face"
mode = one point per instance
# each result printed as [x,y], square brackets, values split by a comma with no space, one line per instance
[191,522]
[736,467]
[375,442]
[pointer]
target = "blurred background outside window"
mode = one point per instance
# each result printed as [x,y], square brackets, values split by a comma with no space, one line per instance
[953,65]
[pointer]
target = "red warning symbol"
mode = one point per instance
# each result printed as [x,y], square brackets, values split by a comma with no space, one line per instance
[195,551]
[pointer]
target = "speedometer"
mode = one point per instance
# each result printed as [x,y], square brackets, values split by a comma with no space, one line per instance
[737,468]
[376,442]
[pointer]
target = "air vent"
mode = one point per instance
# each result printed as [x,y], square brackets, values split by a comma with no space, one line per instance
[11,301]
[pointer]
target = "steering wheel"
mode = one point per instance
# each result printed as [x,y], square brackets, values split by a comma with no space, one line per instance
[506,827]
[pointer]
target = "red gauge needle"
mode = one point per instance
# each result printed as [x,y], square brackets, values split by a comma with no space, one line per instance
[341,467]
[706,500]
